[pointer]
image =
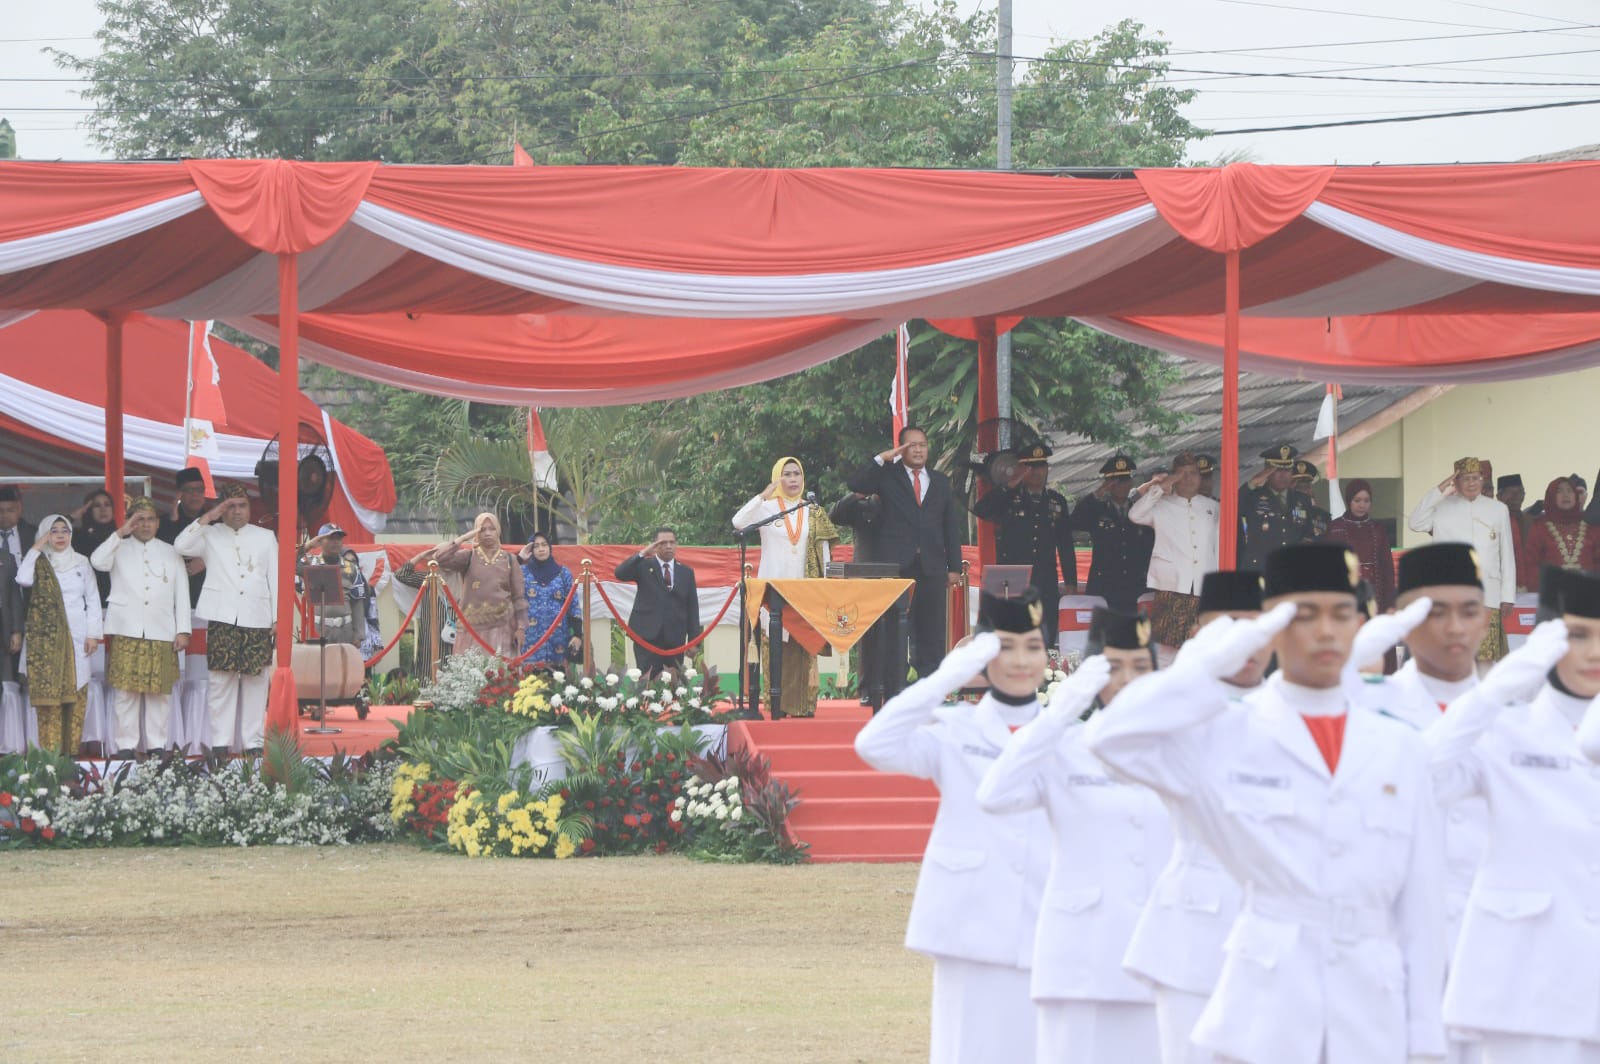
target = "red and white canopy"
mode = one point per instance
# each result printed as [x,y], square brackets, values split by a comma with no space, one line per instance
[53,394]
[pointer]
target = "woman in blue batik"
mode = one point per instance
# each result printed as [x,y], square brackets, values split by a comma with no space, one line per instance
[546,583]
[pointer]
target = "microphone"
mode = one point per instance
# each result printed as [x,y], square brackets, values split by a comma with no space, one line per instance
[811,498]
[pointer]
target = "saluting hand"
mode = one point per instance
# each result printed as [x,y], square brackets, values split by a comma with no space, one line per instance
[771,492]
[127,528]
[894,454]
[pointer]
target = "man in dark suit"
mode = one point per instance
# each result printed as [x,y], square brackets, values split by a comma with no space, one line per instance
[16,539]
[1033,527]
[1120,550]
[666,610]
[919,529]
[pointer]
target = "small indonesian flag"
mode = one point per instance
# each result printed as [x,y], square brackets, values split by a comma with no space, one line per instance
[204,407]
[544,464]
[520,156]
[899,390]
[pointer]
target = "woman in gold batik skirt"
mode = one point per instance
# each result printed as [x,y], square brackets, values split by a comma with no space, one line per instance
[63,629]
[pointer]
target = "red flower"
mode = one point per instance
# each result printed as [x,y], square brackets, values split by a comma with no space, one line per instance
[27,825]
[48,834]
[565,794]
[645,818]
[5,798]
[631,820]
[588,846]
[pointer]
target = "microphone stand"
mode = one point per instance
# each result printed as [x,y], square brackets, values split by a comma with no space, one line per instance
[751,711]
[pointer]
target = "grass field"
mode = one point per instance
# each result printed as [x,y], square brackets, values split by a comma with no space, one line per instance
[385,953]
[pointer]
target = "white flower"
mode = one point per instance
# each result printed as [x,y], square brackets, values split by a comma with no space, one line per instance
[23,778]
[634,674]
[586,683]
[736,813]
[632,703]
[41,792]
[677,815]
[688,671]
[681,692]
[555,700]
[611,679]
[558,676]
[65,789]
[733,783]
[655,707]
[42,819]
[722,814]
[569,690]
[680,803]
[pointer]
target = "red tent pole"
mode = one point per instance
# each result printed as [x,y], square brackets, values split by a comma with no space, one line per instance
[1227,534]
[115,465]
[282,712]
[988,410]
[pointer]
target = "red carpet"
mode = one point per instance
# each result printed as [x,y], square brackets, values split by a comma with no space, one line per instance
[847,811]
[356,737]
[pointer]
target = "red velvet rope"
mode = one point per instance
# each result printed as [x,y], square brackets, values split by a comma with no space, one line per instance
[403,626]
[652,648]
[520,658]
[308,624]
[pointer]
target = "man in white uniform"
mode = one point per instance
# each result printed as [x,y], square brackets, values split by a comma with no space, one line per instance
[1186,546]
[1526,973]
[977,899]
[1328,818]
[147,618]
[1457,511]
[239,602]
[1110,840]
[1177,945]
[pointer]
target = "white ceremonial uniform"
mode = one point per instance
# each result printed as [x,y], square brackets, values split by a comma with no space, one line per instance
[1110,840]
[1337,956]
[1526,972]
[241,589]
[80,595]
[1177,944]
[149,600]
[1486,524]
[1186,538]
[1419,700]
[977,899]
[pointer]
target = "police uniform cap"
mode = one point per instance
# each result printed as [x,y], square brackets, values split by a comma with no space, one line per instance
[1118,466]
[1110,629]
[1019,614]
[1281,456]
[1206,464]
[1304,470]
[1305,567]
[1039,452]
[1439,565]
[1235,591]
[1580,594]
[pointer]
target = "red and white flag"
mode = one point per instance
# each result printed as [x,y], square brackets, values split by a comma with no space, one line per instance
[539,456]
[1328,426]
[204,407]
[520,156]
[899,390]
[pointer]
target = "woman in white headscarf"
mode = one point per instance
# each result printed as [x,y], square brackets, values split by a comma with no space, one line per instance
[62,632]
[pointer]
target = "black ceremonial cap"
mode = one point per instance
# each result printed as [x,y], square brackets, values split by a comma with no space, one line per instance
[1039,452]
[1304,470]
[1118,631]
[1118,466]
[1238,591]
[1551,580]
[1510,480]
[1312,567]
[10,493]
[1439,565]
[1281,456]
[1580,594]
[1020,613]
[190,476]
[1577,482]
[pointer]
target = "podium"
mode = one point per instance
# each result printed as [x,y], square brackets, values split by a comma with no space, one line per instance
[838,612]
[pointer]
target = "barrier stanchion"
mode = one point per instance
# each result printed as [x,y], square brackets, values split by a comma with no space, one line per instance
[432,591]
[964,593]
[588,615]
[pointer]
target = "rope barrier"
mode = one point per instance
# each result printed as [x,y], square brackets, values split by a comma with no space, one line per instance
[652,648]
[369,663]
[462,617]
[520,658]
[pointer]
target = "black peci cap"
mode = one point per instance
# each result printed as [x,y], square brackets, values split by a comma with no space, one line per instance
[190,476]
[1510,480]
[1551,580]
[1580,594]
[10,493]
[1117,631]
[1439,565]
[1238,591]
[1019,614]
[1306,567]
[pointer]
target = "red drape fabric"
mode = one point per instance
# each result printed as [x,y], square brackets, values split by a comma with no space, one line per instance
[281,207]
[1234,207]
[50,197]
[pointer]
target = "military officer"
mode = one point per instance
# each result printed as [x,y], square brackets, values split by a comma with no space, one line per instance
[1110,841]
[1120,550]
[1458,511]
[1271,513]
[1525,978]
[1032,527]
[1208,475]
[1317,519]
[1328,817]
[982,877]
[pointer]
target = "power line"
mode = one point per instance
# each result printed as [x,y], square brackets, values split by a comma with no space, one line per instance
[1357,14]
[1388,40]
[1406,118]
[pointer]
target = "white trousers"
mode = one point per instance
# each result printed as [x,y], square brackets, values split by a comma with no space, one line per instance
[1465,1052]
[237,706]
[1530,1049]
[130,707]
[1177,1011]
[982,1013]
[1097,1032]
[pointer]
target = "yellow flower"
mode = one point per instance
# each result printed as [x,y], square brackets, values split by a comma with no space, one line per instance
[565,848]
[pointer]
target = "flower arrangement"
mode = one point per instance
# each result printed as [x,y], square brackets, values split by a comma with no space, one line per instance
[733,810]
[514,825]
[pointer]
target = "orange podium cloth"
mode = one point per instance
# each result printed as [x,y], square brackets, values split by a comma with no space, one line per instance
[836,612]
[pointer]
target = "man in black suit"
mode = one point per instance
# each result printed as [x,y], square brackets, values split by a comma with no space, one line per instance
[919,528]
[666,609]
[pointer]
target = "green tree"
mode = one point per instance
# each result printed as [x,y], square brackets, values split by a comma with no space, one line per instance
[8,140]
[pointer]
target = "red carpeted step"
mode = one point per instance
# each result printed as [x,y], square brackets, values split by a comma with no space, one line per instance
[858,783]
[775,733]
[847,840]
[828,812]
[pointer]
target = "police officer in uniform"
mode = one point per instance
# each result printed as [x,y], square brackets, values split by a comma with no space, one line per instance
[1271,513]
[1208,475]
[1121,549]
[1032,527]
[1317,519]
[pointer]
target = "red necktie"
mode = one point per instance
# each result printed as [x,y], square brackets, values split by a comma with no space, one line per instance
[916,481]
[1328,734]
[666,571]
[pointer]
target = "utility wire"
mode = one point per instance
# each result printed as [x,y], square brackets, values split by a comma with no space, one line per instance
[1407,118]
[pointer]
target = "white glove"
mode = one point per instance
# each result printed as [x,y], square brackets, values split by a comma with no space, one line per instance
[1221,653]
[959,666]
[1074,694]
[1385,631]
[1519,675]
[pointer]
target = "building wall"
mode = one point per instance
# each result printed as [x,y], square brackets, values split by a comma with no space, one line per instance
[1541,428]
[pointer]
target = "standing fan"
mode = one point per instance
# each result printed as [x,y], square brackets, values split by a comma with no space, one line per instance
[993,457]
[314,477]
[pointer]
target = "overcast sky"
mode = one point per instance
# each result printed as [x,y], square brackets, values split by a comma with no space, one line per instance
[1535,43]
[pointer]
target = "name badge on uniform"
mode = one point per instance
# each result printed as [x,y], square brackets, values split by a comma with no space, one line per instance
[1252,779]
[980,751]
[1079,779]
[1548,761]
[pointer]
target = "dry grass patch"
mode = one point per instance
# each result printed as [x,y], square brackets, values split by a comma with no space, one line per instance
[387,953]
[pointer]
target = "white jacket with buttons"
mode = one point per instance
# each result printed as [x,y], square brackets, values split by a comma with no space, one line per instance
[149,588]
[241,585]
[1110,841]
[1528,961]
[982,874]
